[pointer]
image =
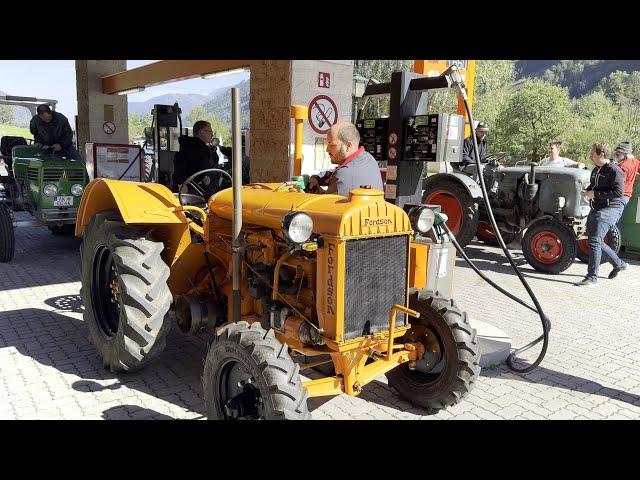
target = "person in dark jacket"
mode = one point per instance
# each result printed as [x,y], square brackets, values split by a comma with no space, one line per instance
[606,195]
[197,154]
[52,129]
[468,157]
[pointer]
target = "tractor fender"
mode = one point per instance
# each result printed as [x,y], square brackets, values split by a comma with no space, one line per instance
[139,204]
[470,185]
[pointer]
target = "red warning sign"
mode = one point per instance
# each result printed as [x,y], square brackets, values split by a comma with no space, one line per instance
[323,113]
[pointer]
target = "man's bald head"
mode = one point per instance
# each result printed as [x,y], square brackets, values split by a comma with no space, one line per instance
[343,140]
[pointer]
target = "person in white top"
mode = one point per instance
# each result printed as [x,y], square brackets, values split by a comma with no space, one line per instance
[555,160]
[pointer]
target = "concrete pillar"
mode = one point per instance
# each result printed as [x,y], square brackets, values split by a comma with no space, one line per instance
[276,85]
[269,109]
[96,108]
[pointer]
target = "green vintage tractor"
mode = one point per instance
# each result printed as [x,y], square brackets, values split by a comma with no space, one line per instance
[36,180]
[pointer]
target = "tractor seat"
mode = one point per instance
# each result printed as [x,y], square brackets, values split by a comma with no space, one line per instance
[6,146]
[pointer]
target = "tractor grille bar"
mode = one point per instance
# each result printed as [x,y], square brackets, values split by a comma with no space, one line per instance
[32,173]
[376,279]
[54,175]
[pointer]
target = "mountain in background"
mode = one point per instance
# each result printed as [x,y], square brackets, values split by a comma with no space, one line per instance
[217,102]
[579,76]
[186,101]
[220,104]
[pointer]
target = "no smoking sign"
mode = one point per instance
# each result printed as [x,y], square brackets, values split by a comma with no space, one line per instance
[323,113]
[109,128]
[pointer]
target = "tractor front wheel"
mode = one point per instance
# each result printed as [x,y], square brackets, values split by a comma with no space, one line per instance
[124,292]
[249,375]
[7,235]
[612,238]
[460,207]
[549,246]
[450,365]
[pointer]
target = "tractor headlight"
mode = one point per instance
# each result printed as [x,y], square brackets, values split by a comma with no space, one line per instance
[77,190]
[422,218]
[297,227]
[50,190]
[562,202]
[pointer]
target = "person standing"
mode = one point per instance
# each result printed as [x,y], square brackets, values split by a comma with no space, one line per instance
[605,191]
[630,166]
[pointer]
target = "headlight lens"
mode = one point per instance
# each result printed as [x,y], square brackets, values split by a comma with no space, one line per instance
[422,218]
[562,202]
[77,190]
[297,227]
[50,190]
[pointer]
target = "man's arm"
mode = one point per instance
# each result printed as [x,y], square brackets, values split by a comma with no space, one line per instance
[226,151]
[34,131]
[67,134]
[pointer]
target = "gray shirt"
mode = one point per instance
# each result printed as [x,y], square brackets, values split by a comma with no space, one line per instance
[362,170]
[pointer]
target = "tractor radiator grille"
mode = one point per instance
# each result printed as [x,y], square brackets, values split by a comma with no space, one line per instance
[32,174]
[54,175]
[75,175]
[376,279]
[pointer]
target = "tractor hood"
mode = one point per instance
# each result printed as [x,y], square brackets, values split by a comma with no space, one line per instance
[364,213]
[34,157]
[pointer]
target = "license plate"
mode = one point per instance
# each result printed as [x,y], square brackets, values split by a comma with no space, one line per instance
[61,201]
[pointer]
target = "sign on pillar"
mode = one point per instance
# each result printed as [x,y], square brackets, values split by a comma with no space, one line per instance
[323,114]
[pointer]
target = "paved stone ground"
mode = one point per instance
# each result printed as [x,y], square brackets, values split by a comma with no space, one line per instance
[49,370]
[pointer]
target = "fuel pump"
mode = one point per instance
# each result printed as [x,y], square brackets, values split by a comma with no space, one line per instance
[415,138]
[165,131]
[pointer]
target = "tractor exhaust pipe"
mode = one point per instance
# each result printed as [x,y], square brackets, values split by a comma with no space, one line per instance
[237,202]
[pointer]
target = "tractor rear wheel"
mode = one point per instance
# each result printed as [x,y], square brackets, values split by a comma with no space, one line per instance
[451,363]
[7,235]
[486,235]
[612,238]
[124,292]
[549,246]
[249,375]
[460,207]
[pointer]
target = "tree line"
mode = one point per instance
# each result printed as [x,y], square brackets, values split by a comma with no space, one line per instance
[524,114]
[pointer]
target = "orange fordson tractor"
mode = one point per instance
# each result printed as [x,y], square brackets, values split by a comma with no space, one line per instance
[349,282]
[287,282]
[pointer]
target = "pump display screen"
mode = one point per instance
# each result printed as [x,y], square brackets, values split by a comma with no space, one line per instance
[421,138]
[373,136]
[433,138]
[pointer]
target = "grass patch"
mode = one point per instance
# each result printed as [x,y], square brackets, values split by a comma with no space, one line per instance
[13,131]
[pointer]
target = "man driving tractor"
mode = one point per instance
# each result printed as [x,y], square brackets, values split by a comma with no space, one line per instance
[52,129]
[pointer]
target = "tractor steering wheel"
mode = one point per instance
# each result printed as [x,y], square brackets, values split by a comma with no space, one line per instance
[197,199]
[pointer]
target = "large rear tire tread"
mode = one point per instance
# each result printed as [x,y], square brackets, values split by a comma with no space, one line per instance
[567,238]
[459,374]
[278,376]
[493,241]
[470,215]
[614,240]
[7,235]
[145,296]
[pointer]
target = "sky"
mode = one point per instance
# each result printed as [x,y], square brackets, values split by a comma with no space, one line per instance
[56,79]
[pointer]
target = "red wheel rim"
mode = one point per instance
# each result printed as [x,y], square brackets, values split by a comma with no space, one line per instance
[546,247]
[450,205]
[583,243]
[485,230]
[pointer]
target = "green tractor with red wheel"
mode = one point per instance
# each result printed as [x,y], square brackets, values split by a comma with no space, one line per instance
[543,202]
